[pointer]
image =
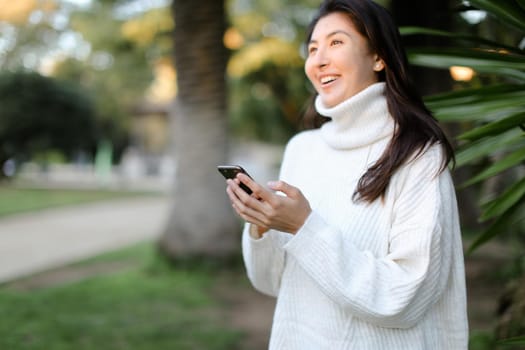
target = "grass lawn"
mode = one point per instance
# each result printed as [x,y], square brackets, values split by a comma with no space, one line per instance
[147,305]
[16,200]
[127,299]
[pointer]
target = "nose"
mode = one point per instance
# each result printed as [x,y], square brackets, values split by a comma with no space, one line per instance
[321,58]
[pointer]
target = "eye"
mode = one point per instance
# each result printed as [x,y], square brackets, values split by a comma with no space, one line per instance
[312,49]
[336,42]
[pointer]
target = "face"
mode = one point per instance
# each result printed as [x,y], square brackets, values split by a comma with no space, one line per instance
[339,62]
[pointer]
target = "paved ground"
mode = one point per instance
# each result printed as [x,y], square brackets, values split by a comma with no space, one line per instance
[35,242]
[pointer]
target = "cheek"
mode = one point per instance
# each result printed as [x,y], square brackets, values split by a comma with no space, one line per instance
[308,71]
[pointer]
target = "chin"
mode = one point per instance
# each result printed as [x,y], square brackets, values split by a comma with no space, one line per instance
[329,103]
[332,100]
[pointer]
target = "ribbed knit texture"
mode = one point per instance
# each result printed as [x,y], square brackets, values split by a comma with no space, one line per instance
[385,275]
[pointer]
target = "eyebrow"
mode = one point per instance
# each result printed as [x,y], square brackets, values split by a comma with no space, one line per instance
[339,31]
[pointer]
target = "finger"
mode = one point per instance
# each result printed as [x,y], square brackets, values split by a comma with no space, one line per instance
[258,191]
[241,194]
[248,218]
[243,199]
[245,211]
[230,190]
[235,201]
[254,205]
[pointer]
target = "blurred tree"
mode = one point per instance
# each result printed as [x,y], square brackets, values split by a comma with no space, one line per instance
[267,84]
[28,28]
[110,55]
[112,117]
[201,222]
[267,90]
[118,67]
[40,114]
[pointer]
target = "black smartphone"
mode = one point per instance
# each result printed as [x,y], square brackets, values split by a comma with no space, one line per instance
[230,171]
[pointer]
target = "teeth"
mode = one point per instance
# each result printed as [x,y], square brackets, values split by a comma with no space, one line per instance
[328,79]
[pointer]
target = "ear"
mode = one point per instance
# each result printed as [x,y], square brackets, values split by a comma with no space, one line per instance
[379,64]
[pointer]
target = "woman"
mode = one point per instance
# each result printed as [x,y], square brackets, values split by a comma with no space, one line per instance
[359,240]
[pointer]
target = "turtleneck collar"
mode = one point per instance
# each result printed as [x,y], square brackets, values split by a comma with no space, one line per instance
[359,121]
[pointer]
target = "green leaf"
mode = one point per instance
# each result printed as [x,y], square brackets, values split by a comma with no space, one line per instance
[405,31]
[477,93]
[482,61]
[521,3]
[520,340]
[487,111]
[499,226]
[509,161]
[505,10]
[481,148]
[504,202]
[486,103]
[495,128]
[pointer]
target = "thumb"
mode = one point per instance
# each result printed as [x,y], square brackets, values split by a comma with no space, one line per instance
[283,187]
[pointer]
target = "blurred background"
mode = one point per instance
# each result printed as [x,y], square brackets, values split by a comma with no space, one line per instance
[115,230]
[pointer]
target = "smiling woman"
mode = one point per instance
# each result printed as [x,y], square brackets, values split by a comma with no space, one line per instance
[359,239]
[339,62]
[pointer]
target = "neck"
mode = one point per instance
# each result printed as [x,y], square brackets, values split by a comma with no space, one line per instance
[358,121]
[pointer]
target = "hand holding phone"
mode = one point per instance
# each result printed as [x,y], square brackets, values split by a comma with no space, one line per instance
[231,171]
[291,209]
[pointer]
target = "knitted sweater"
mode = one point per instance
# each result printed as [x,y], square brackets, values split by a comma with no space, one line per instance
[381,275]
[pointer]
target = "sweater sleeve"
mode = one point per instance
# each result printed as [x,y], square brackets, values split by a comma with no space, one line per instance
[397,289]
[264,259]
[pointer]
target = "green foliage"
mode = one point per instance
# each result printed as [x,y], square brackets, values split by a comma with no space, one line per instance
[488,62]
[144,306]
[116,68]
[509,12]
[113,68]
[40,113]
[487,341]
[481,341]
[116,73]
[112,118]
[512,341]
[492,112]
[268,88]
[272,98]
[24,44]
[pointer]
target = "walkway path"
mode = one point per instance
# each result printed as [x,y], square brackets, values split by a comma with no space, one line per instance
[35,242]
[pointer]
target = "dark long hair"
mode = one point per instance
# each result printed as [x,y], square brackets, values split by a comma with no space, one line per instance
[415,126]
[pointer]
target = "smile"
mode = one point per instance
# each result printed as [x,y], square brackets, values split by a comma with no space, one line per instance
[328,79]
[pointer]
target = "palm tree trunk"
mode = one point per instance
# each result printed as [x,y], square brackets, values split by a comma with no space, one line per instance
[201,222]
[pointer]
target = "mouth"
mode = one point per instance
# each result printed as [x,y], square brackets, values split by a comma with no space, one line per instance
[328,79]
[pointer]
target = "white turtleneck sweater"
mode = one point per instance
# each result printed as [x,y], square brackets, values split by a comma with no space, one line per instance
[383,275]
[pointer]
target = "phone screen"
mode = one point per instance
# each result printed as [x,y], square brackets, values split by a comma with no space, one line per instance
[230,171]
